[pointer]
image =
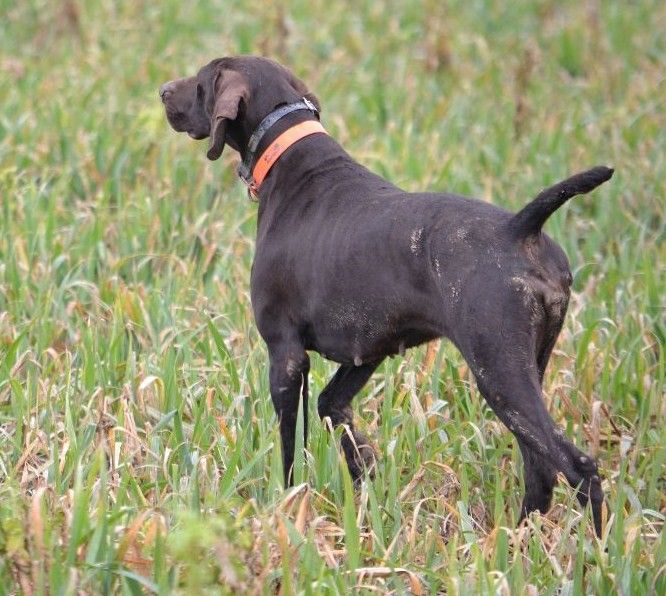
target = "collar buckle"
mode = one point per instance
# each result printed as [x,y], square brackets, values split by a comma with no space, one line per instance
[244,173]
[246,176]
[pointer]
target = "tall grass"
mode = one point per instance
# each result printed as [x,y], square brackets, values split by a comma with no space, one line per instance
[139,448]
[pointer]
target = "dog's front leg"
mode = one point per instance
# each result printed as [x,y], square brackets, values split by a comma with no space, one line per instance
[289,367]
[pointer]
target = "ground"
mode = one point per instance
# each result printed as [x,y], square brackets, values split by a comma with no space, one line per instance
[139,448]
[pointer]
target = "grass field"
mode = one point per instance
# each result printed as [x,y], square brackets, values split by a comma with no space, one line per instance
[138,445]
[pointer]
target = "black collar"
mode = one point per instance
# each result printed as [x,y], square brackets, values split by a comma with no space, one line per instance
[245,168]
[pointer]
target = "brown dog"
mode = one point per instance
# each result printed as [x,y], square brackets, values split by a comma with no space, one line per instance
[354,268]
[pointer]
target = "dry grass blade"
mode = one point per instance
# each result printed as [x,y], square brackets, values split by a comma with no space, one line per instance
[415,584]
[303,511]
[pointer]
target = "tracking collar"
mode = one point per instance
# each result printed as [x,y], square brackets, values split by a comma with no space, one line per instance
[253,177]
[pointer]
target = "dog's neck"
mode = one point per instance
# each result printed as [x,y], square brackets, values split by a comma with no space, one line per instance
[314,170]
[286,191]
[268,141]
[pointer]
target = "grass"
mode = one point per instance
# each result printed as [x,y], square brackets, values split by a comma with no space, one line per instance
[139,449]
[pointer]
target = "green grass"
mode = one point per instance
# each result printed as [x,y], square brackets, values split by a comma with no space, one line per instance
[138,446]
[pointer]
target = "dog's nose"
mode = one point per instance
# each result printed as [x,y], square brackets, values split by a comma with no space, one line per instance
[166,90]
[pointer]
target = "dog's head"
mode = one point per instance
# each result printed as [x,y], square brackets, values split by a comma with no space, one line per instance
[228,98]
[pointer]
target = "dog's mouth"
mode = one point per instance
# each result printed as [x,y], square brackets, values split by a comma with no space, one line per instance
[182,122]
[192,133]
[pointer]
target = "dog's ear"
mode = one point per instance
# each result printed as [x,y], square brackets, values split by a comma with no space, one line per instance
[301,88]
[230,88]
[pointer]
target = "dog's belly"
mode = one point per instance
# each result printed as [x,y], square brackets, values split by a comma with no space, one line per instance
[349,351]
[349,336]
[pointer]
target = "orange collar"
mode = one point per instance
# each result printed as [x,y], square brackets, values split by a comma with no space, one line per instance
[277,148]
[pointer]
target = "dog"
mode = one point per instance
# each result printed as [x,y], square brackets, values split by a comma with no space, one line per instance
[356,269]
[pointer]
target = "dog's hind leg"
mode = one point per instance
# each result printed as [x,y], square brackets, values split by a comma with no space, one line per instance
[540,478]
[514,394]
[335,403]
[506,333]
[289,367]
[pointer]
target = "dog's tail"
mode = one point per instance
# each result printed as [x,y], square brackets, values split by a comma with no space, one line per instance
[529,220]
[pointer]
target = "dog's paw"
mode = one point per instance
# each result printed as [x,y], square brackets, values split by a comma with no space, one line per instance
[361,457]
